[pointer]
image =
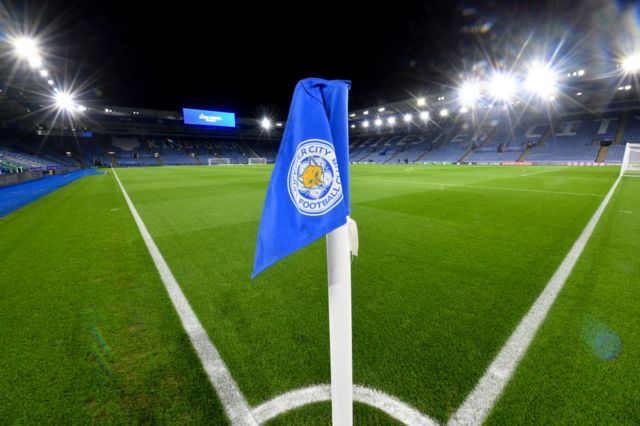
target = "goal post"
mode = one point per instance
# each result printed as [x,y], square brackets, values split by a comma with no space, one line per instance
[219,161]
[257,160]
[631,160]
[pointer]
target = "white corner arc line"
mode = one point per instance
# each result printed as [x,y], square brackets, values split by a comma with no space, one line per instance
[478,404]
[318,393]
[233,401]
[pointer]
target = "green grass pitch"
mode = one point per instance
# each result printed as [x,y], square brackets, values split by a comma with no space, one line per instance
[451,258]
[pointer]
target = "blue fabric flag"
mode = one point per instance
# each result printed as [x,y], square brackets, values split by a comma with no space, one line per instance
[308,194]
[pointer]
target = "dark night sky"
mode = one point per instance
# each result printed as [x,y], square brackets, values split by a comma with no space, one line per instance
[247,56]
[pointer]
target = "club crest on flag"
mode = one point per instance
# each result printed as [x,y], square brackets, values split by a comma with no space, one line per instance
[314,179]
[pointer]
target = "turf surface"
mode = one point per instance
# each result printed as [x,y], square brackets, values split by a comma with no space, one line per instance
[451,258]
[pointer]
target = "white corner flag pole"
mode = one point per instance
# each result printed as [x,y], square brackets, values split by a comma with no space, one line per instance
[339,273]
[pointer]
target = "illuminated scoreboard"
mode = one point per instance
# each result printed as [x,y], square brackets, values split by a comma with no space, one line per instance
[203,117]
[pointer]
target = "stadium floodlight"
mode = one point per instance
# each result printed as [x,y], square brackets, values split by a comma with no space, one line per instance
[25,47]
[365,123]
[580,73]
[469,93]
[64,101]
[278,124]
[444,112]
[44,73]
[265,123]
[407,118]
[391,121]
[353,126]
[464,110]
[50,82]
[353,114]
[627,87]
[365,113]
[541,80]
[631,63]
[381,109]
[378,122]
[424,115]
[421,102]
[35,61]
[81,108]
[502,86]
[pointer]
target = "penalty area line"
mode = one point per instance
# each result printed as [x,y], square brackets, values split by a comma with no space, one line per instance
[233,401]
[491,188]
[478,404]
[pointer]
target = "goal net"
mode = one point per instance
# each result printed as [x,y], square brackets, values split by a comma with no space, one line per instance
[219,161]
[631,161]
[257,160]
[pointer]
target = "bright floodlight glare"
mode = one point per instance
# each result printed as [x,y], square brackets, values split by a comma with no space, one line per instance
[265,123]
[444,112]
[424,115]
[541,80]
[50,82]
[407,118]
[469,93]
[35,61]
[464,110]
[25,47]
[44,73]
[380,109]
[353,126]
[64,101]
[81,108]
[502,86]
[365,123]
[421,102]
[391,121]
[365,113]
[378,122]
[631,63]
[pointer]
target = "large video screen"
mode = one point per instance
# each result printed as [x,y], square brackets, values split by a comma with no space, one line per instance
[203,117]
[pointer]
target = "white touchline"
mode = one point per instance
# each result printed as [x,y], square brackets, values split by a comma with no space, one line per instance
[233,401]
[476,407]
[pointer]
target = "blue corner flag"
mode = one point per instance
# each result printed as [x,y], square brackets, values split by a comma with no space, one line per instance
[308,194]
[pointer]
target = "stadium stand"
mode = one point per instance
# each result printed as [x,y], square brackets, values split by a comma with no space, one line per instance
[460,141]
[632,130]
[582,138]
[574,139]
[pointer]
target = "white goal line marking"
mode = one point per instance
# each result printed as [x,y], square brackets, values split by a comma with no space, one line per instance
[233,401]
[478,404]
[497,188]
